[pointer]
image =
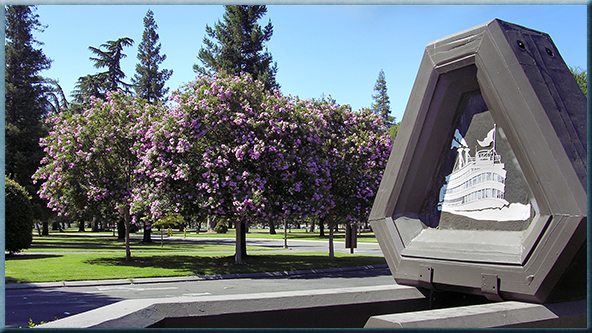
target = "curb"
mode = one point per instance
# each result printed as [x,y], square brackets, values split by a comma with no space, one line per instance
[93,283]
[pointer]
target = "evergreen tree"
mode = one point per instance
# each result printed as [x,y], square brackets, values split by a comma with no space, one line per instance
[25,103]
[382,104]
[54,96]
[236,45]
[148,80]
[581,77]
[108,55]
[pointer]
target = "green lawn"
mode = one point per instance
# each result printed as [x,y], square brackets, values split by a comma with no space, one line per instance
[26,268]
[104,243]
[93,256]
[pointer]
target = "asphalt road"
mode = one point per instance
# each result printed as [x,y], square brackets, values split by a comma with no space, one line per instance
[47,304]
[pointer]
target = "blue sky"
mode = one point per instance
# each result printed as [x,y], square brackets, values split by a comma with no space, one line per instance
[336,50]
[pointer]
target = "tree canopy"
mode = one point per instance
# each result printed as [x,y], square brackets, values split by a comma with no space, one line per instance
[149,81]
[381,104]
[94,159]
[25,97]
[108,55]
[236,46]
[581,76]
[227,147]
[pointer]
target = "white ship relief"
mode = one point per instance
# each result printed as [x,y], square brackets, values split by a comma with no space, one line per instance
[476,186]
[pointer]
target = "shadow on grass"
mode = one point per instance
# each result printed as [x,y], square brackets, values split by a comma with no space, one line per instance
[76,243]
[27,256]
[11,280]
[223,265]
[112,244]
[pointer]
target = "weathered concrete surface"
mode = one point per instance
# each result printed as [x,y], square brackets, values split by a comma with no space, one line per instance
[345,307]
[504,314]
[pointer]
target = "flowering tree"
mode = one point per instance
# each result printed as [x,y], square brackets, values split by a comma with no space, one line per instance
[227,148]
[356,146]
[95,158]
[232,149]
[235,150]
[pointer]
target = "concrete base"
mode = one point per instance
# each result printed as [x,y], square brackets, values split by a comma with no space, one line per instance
[504,314]
[333,308]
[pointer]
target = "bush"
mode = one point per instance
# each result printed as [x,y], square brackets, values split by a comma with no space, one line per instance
[19,217]
[221,227]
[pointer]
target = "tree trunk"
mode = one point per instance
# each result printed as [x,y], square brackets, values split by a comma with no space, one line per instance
[94,224]
[331,248]
[238,256]
[285,233]
[45,231]
[211,222]
[147,233]
[271,228]
[81,226]
[322,227]
[121,230]
[126,217]
[312,225]
[243,237]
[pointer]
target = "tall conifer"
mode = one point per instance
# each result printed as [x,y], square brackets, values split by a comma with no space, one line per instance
[108,55]
[236,45]
[382,104]
[25,104]
[149,81]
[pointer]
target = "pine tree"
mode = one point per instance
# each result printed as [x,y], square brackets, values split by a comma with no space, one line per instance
[25,104]
[236,45]
[108,55]
[148,80]
[382,104]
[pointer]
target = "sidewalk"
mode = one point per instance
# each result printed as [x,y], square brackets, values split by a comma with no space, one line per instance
[93,283]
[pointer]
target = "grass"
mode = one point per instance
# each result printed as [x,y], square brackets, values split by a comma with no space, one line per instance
[69,243]
[60,257]
[29,268]
[300,234]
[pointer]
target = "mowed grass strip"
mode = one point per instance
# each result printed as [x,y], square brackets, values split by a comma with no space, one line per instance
[68,243]
[30,268]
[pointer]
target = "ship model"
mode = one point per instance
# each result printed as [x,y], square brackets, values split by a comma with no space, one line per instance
[476,186]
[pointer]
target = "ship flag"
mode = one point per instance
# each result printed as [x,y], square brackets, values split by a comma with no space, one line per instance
[488,139]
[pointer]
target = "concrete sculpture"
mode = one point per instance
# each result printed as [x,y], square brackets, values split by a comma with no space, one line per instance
[485,191]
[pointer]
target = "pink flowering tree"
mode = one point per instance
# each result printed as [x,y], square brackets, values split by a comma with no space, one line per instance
[232,149]
[293,166]
[95,158]
[357,147]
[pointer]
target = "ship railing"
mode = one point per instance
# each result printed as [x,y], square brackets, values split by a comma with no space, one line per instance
[488,155]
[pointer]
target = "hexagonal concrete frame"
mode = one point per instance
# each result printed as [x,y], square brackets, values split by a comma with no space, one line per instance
[539,109]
